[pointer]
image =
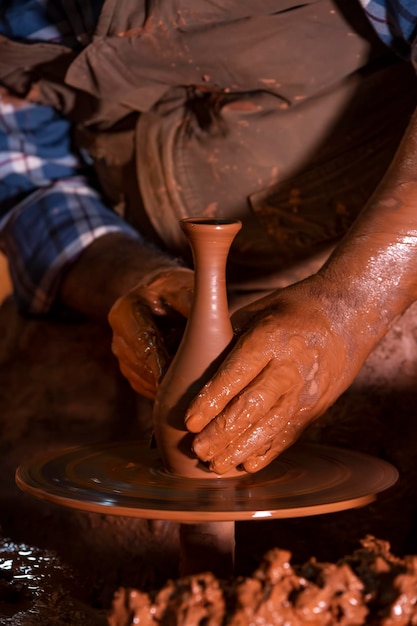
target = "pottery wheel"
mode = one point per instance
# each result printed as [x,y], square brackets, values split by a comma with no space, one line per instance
[128,479]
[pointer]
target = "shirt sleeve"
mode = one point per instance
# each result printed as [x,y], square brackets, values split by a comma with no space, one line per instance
[50,210]
[395,21]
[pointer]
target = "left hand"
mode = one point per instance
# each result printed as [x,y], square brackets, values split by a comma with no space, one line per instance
[147,325]
[297,353]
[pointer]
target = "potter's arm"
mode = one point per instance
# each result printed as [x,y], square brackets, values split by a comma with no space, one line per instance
[65,246]
[110,268]
[301,347]
[376,261]
[145,294]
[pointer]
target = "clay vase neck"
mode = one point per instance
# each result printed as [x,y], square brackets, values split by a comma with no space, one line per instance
[207,335]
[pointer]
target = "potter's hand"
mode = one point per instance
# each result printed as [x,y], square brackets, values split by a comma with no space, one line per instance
[147,324]
[302,347]
[296,354]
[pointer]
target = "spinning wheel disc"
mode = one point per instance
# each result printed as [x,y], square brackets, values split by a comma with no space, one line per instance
[128,479]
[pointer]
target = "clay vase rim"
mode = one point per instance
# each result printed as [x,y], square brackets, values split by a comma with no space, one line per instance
[210,222]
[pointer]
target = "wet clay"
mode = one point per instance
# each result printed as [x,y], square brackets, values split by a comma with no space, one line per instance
[208,333]
[370,586]
[37,588]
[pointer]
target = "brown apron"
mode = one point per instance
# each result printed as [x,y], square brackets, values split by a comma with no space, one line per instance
[282,114]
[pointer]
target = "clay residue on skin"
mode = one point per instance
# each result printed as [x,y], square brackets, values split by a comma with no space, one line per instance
[280,382]
[370,586]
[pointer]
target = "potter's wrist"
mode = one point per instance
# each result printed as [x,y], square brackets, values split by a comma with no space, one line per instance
[373,271]
[108,269]
[163,273]
[366,297]
[165,287]
[375,263]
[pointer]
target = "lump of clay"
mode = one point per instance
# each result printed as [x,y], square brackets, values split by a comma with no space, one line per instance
[189,601]
[371,587]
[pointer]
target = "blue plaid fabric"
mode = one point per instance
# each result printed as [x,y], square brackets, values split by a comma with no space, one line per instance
[49,209]
[395,21]
[70,22]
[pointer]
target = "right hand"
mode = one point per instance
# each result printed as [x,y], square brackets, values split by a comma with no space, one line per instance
[299,348]
[147,326]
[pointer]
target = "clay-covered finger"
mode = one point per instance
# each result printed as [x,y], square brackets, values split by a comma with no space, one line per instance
[138,347]
[238,417]
[257,462]
[274,428]
[172,289]
[236,425]
[288,436]
[257,441]
[236,372]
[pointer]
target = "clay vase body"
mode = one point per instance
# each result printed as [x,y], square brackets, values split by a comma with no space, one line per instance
[207,334]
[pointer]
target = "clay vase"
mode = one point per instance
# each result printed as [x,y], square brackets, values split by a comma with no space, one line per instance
[207,335]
